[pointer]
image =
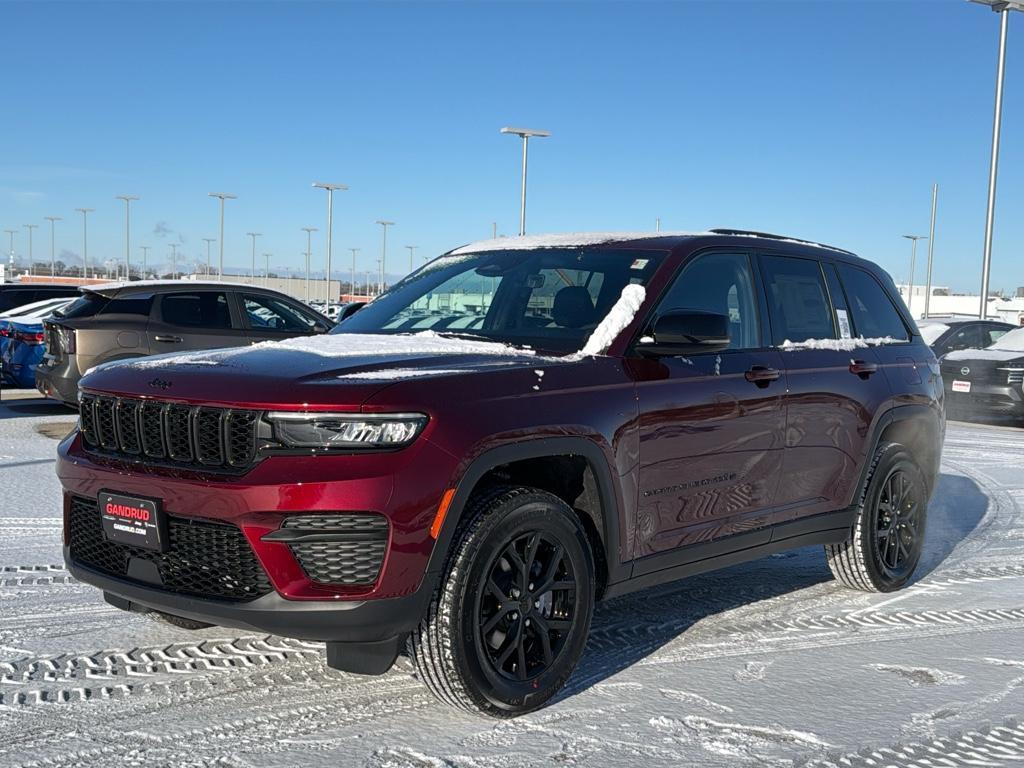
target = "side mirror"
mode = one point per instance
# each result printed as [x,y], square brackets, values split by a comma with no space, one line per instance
[684,332]
[320,328]
[350,309]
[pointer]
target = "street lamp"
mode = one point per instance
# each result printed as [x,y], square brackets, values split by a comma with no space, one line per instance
[145,260]
[309,252]
[1003,8]
[174,261]
[53,258]
[30,227]
[127,233]
[253,235]
[208,240]
[525,134]
[931,249]
[354,252]
[330,228]
[412,252]
[223,196]
[85,240]
[382,261]
[913,258]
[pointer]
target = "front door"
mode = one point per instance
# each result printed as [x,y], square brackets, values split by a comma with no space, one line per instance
[711,425]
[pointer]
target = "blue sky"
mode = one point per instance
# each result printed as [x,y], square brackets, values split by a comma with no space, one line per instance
[825,120]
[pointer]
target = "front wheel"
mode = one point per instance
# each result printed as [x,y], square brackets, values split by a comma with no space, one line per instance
[888,537]
[509,621]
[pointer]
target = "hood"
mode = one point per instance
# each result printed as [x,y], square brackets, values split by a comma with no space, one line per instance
[336,370]
[995,355]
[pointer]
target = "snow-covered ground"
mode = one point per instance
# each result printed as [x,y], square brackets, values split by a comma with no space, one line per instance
[769,663]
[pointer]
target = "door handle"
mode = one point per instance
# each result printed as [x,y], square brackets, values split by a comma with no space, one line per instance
[761,375]
[167,339]
[863,368]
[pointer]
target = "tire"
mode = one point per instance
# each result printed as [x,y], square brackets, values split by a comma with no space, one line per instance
[466,650]
[884,548]
[178,621]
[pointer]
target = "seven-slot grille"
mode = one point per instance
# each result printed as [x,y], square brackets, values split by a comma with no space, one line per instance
[207,438]
[203,558]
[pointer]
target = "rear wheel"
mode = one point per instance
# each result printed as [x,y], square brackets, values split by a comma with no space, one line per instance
[508,623]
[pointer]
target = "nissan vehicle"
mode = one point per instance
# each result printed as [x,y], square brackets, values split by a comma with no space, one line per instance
[987,383]
[950,334]
[121,321]
[516,430]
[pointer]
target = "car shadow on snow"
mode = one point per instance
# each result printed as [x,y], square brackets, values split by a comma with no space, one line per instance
[626,630]
[20,409]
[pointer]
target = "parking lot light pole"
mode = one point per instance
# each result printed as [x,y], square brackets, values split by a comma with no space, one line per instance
[85,239]
[53,252]
[208,240]
[223,196]
[913,263]
[30,227]
[252,274]
[1003,8]
[412,253]
[127,234]
[330,229]
[525,134]
[309,253]
[382,261]
[10,251]
[174,261]
[145,260]
[355,251]
[266,271]
[931,249]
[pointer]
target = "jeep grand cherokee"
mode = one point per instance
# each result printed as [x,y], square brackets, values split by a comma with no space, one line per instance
[514,431]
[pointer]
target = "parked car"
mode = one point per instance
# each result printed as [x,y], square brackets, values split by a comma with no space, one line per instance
[987,383]
[120,321]
[14,295]
[949,334]
[626,412]
[21,333]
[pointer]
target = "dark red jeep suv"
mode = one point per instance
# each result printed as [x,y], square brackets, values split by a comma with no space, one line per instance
[516,430]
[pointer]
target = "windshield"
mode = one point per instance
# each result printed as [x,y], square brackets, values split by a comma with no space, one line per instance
[1012,341]
[930,332]
[551,298]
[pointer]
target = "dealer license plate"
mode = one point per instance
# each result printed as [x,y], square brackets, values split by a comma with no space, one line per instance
[132,521]
[961,386]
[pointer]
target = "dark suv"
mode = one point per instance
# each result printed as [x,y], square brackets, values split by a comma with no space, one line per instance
[512,432]
[120,321]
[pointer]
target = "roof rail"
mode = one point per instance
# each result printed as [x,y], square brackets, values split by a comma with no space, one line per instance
[770,236]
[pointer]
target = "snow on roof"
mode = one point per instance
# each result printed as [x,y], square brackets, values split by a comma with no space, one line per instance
[564,240]
[118,285]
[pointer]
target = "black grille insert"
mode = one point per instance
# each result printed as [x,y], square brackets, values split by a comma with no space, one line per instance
[346,549]
[203,558]
[181,435]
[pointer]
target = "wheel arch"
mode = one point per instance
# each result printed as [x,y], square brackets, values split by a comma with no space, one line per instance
[919,428]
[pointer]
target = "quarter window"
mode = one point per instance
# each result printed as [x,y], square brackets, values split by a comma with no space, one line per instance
[874,313]
[797,300]
[721,283]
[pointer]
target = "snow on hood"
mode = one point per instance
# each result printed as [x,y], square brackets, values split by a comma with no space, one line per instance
[1013,340]
[999,355]
[840,345]
[615,321]
[564,240]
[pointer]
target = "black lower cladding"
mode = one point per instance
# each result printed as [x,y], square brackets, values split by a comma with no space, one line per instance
[203,558]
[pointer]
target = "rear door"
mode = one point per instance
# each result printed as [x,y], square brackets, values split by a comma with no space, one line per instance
[832,394]
[272,318]
[711,425]
[194,319]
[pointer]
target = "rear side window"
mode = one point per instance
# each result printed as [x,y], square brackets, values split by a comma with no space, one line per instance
[874,314]
[86,306]
[797,299]
[196,310]
[129,305]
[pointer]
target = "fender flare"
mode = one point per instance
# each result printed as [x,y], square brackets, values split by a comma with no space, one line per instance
[895,415]
[607,491]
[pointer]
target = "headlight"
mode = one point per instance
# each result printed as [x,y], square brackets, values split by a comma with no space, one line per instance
[346,430]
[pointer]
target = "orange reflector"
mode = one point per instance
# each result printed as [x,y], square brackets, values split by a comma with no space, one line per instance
[442,510]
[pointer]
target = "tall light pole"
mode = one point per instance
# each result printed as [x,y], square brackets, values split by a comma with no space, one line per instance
[354,252]
[412,252]
[382,262]
[174,261]
[330,228]
[525,134]
[266,271]
[931,249]
[30,227]
[252,274]
[309,253]
[10,253]
[1003,8]
[127,233]
[223,196]
[53,239]
[85,239]
[208,240]
[145,260]
[913,259]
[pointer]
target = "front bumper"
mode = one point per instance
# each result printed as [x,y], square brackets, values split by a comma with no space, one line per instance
[992,400]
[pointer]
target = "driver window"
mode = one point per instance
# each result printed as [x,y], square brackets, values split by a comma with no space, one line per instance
[721,283]
[266,313]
